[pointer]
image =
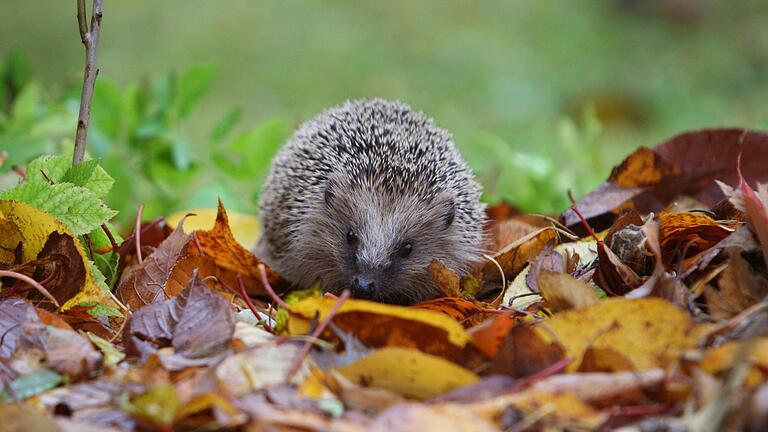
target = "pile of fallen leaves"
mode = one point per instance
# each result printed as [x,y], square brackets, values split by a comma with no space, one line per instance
[642,306]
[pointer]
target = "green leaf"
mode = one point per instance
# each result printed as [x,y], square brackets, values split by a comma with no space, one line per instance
[91,176]
[225,125]
[54,168]
[76,206]
[111,355]
[193,84]
[253,149]
[30,384]
[180,153]
[98,276]
[18,73]
[101,310]
[26,107]
[159,405]
[107,266]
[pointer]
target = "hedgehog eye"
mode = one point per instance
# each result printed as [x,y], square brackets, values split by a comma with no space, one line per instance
[351,237]
[405,249]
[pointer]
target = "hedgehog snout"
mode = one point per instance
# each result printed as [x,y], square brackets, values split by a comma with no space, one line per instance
[363,287]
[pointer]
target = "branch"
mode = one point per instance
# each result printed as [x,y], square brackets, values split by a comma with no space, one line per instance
[90,39]
[81,21]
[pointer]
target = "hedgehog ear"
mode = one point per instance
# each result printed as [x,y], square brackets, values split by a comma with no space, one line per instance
[449,215]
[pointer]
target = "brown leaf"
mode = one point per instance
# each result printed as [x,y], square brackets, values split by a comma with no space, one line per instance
[684,234]
[524,353]
[466,312]
[604,359]
[220,244]
[687,164]
[446,279]
[515,256]
[64,264]
[153,233]
[66,351]
[198,323]
[627,240]
[91,402]
[613,276]
[739,287]
[185,267]
[79,319]
[61,349]
[14,312]
[379,325]
[490,334]
[144,285]
[507,232]
[562,291]
[547,259]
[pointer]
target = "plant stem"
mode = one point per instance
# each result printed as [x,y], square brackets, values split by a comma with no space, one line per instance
[32,282]
[90,38]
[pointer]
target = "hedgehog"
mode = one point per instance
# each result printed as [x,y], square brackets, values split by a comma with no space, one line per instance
[363,197]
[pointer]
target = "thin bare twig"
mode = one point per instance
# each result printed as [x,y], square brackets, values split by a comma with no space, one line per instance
[29,280]
[111,238]
[90,38]
[20,171]
[316,334]
[268,288]
[82,22]
[137,234]
[246,298]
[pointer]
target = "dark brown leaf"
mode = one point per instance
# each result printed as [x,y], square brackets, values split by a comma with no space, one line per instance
[524,353]
[547,259]
[198,323]
[144,285]
[64,264]
[687,164]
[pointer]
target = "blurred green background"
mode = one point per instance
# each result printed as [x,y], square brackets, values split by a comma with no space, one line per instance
[193,96]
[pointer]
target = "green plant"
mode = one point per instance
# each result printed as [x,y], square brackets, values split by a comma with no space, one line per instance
[137,133]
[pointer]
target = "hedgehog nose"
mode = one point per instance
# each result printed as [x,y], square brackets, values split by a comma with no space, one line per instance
[363,286]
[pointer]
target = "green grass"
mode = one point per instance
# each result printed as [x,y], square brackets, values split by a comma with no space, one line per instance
[542,96]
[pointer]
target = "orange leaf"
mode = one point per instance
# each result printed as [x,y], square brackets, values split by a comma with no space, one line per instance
[463,311]
[688,231]
[219,243]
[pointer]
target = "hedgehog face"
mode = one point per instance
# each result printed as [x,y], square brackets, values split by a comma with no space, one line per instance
[364,196]
[380,248]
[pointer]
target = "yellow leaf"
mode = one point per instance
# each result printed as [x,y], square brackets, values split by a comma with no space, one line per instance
[562,291]
[650,332]
[587,251]
[558,411]
[35,227]
[723,358]
[369,313]
[244,227]
[408,372]
[206,401]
